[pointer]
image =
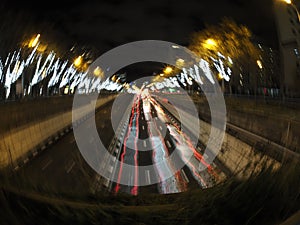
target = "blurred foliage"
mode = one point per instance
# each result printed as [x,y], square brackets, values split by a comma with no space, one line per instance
[231,40]
[268,198]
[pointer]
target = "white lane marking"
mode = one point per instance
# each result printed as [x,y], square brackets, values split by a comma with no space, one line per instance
[185,177]
[145,144]
[111,168]
[71,167]
[147,174]
[169,144]
[47,164]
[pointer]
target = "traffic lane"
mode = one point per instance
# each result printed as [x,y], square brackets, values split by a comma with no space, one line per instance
[136,139]
[164,165]
[127,182]
[171,184]
[61,166]
[177,156]
[160,150]
[202,172]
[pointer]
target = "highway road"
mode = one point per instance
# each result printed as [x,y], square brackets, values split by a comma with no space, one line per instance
[151,137]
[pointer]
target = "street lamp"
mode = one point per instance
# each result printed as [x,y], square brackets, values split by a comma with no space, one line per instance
[98,72]
[210,44]
[78,61]
[168,70]
[259,64]
[34,41]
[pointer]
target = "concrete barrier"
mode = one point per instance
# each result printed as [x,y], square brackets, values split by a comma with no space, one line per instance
[19,113]
[18,143]
[285,132]
[276,123]
[236,155]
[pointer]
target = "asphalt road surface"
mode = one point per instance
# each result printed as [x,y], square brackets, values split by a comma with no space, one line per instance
[151,137]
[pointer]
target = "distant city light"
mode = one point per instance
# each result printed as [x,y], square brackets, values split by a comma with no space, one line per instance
[98,72]
[168,70]
[179,62]
[288,1]
[33,42]
[210,44]
[259,64]
[220,77]
[78,61]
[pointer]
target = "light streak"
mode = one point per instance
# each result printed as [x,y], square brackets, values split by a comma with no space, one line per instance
[134,190]
[117,187]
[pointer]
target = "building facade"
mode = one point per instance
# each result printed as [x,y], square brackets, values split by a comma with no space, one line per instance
[288,27]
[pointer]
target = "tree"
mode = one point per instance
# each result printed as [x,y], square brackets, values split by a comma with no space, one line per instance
[231,40]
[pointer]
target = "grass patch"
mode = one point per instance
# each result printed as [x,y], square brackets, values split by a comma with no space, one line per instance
[267,198]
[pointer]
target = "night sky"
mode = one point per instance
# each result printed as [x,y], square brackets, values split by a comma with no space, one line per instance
[110,23]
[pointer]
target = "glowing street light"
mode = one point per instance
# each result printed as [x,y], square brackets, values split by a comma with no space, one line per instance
[78,61]
[220,77]
[34,41]
[98,72]
[168,70]
[180,63]
[259,64]
[287,1]
[210,44]
[114,78]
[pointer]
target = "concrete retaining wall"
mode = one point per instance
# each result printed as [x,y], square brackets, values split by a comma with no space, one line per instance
[18,113]
[17,143]
[236,155]
[285,132]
